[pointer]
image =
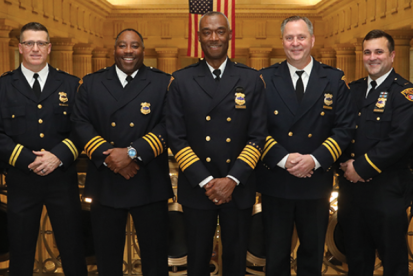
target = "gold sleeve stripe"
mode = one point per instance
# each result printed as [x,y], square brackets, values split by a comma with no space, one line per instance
[191,161]
[187,158]
[252,153]
[247,161]
[267,148]
[372,164]
[181,153]
[95,147]
[335,145]
[72,147]
[330,150]
[152,143]
[91,145]
[328,142]
[15,154]
[92,141]
[157,141]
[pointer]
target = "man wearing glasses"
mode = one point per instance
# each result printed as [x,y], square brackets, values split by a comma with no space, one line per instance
[36,142]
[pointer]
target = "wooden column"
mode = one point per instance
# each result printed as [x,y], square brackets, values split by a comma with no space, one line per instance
[14,52]
[361,71]
[167,59]
[82,59]
[259,57]
[62,53]
[99,58]
[328,56]
[346,60]
[6,26]
[402,48]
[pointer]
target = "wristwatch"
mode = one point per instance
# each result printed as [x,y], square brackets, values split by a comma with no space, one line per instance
[132,152]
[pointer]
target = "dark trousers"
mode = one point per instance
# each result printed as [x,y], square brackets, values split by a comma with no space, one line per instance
[373,216]
[151,225]
[25,199]
[310,218]
[200,229]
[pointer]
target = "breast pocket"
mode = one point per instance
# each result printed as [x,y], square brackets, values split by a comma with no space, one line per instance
[378,125]
[14,120]
[62,117]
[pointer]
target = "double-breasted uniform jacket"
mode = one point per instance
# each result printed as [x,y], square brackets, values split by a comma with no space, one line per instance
[28,123]
[216,129]
[106,115]
[384,137]
[321,125]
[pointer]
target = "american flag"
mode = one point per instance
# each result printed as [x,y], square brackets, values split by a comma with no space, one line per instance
[199,7]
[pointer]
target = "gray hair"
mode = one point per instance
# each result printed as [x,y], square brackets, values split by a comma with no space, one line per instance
[297,18]
[211,13]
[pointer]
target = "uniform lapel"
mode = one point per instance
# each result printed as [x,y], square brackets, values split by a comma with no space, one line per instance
[20,84]
[283,85]
[137,85]
[315,88]
[228,81]
[204,79]
[53,82]
[112,84]
[361,96]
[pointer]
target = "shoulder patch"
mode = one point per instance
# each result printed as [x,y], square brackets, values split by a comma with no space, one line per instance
[172,78]
[6,73]
[408,94]
[265,86]
[345,80]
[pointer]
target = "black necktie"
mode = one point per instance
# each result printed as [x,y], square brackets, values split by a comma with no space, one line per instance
[128,79]
[299,87]
[217,72]
[373,86]
[36,86]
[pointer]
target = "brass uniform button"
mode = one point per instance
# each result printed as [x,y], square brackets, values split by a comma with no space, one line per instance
[290,133]
[113,124]
[310,135]
[228,160]
[112,143]
[322,113]
[208,118]
[41,135]
[131,124]
[64,113]
[357,126]
[40,121]
[359,113]
[229,119]
[42,150]
[275,112]
[208,138]
[378,118]
[228,140]
[13,116]
[352,155]
[39,106]
[208,159]
[353,141]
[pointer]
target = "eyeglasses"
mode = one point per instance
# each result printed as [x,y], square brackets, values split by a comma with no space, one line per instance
[30,44]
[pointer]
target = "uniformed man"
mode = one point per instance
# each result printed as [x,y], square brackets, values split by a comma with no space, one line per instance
[119,118]
[377,185]
[36,141]
[216,123]
[310,123]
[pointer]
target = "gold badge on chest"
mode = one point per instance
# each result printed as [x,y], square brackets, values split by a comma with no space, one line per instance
[381,102]
[145,108]
[63,99]
[328,101]
[240,98]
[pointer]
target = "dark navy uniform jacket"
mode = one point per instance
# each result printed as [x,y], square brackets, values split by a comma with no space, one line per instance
[384,134]
[28,123]
[216,129]
[107,115]
[321,125]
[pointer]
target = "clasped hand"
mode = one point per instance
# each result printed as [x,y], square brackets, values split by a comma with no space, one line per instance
[118,161]
[219,190]
[300,165]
